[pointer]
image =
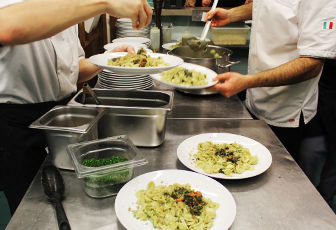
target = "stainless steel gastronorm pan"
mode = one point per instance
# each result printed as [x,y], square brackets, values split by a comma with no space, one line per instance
[64,125]
[139,114]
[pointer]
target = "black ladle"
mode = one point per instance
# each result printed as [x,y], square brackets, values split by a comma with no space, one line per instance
[53,186]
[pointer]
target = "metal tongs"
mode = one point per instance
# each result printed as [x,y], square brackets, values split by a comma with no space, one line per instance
[202,44]
[87,90]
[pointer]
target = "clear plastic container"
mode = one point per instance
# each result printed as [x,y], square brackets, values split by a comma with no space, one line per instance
[155,39]
[167,34]
[229,34]
[106,180]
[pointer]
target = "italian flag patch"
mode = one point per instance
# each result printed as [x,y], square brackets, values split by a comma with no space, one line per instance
[328,25]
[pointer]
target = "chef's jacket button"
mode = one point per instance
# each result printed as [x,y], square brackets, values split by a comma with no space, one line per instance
[63,37]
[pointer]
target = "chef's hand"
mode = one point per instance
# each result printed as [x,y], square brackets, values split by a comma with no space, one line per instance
[206,2]
[230,83]
[123,48]
[139,11]
[219,16]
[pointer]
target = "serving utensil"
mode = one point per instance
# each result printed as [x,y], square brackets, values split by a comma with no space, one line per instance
[53,186]
[87,90]
[202,44]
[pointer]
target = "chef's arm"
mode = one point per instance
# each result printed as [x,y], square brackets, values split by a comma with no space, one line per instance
[222,16]
[296,71]
[34,20]
[292,72]
[87,70]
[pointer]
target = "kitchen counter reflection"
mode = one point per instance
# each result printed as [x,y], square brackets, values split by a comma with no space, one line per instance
[280,198]
[192,106]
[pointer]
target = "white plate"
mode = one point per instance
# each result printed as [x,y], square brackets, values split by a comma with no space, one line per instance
[167,45]
[101,61]
[111,46]
[188,148]
[209,187]
[210,74]
[142,40]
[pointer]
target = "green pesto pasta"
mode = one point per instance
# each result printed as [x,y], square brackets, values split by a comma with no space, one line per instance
[224,158]
[183,76]
[168,207]
[137,60]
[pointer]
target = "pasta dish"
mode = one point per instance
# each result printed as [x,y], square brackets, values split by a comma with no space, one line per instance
[183,76]
[175,207]
[141,59]
[224,158]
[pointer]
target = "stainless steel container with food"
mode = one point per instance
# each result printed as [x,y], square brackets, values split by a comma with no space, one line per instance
[139,114]
[64,125]
[219,65]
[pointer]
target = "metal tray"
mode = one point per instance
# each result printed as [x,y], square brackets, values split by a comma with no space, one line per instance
[139,114]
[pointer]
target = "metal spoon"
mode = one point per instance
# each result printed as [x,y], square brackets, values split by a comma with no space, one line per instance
[87,90]
[201,44]
[53,186]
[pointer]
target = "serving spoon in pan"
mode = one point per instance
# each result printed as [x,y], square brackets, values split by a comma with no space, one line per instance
[202,44]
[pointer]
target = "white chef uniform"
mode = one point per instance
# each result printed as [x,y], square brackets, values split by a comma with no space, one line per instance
[51,73]
[284,30]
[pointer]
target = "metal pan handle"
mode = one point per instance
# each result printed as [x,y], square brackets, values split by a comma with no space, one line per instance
[228,64]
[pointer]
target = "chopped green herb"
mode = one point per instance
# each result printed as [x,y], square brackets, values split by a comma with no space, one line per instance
[102,162]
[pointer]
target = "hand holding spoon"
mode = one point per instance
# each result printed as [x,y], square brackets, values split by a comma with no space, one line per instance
[201,44]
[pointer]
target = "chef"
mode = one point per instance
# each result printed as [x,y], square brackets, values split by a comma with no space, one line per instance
[41,62]
[290,39]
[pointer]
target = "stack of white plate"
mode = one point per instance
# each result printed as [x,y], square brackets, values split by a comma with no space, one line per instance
[126,40]
[110,80]
[124,29]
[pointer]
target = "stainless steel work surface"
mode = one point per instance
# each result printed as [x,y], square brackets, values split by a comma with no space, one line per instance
[187,106]
[280,198]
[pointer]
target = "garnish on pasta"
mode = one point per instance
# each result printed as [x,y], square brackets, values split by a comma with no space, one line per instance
[224,158]
[141,59]
[182,76]
[175,207]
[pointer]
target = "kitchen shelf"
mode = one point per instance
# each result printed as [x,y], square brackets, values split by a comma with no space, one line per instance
[187,11]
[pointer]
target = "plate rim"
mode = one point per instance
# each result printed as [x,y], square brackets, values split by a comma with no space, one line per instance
[222,175]
[145,40]
[131,70]
[170,44]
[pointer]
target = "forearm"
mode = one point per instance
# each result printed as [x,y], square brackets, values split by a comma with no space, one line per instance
[87,70]
[39,19]
[241,13]
[293,72]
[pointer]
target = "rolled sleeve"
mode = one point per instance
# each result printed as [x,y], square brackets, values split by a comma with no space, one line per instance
[317,34]
[4,3]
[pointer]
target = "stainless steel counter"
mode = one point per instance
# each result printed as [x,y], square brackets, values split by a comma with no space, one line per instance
[191,106]
[280,198]
[186,106]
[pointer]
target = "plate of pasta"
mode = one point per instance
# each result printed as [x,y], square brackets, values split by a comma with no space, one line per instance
[153,63]
[187,76]
[171,46]
[165,199]
[224,155]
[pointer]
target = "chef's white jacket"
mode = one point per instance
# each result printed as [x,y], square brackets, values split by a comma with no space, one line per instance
[284,30]
[41,71]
